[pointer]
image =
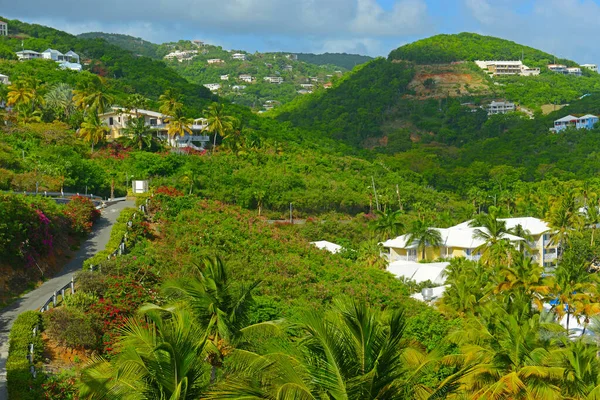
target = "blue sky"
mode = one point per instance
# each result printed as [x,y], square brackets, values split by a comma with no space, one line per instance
[568,28]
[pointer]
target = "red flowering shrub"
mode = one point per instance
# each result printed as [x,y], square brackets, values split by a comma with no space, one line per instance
[60,387]
[81,213]
[169,191]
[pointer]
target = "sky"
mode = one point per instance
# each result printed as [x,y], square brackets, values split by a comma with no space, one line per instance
[567,28]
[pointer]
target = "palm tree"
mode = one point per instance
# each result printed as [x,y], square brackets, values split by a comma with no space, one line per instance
[60,99]
[138,133]
[234,138]
[519,231]
[507,356]
[388,224]
[26,115]
[93,96]
[352,353]
[563,219]
[178,126]
[20,92]
[162,357]
[424,236]
[592,215]
[468,285]
[211,296]
[93,130]
[218,122]
[581,370]
[170,103]
[495,247]
[135,102]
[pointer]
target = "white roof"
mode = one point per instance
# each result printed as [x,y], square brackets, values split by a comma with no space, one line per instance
[566,118]
[71,53]
[140,111]
[588,116]
[534,225]
[438,292]
[329,246]
[70,65]
[53,51]
[27,52]
[460,236]
[419,272]
[4,76]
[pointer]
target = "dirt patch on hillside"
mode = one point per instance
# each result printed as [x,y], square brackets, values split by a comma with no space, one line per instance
[449,80]
[548,108]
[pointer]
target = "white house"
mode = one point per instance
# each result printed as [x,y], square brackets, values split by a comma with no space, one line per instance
[246,78]
[273,79]
[28,55]
[224,77]
[213,87]
[4,79]
[183,55]
[215,61]
[419,272]
[304,91]
[292,57]
[329,246]
[591,67]
[500,107]
[308,86]
[117,119]
[3,28]
[288,68]
[507,67]
[574,71]
[238,87]
[570,121]
[239,56]
[69,65]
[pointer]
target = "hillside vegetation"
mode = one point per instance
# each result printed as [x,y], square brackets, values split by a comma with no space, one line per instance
[137,46]
[347,61]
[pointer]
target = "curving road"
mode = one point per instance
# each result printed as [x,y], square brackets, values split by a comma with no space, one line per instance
[36,298]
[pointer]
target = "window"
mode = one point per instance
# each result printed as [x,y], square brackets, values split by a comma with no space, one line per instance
[110,121]
[119,119]
[469,252]
[153,121]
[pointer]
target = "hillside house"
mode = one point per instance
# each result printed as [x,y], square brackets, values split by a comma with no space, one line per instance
[117,119]
[224,77]
[4,80]
[304,91]
[213,87]
[507,68]
[184,55]
[500,107]
[25,55]
[288,68]
[591,67]
[563,69]
[198,43]
[328,246]
[239,56]
[273,79]
[460,241]
[307,86]
[55,55]
[328,85]
[578,122]
[72,66]
[215,61]
[292,57]
[238,87]
[3,28]
[246,78]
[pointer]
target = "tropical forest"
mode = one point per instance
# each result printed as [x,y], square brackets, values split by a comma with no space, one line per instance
[162,240]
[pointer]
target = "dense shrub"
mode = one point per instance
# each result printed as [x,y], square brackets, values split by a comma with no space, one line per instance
[60,387]
[19,379]
[91,283]
[70,327]
[81,300]
[81,213]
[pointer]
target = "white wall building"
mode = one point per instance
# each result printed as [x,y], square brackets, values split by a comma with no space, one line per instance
[239,56]
[500,107]
[213,87]
[273,79]
[4,79]
[224,77]
[215,61]
[25,55]
[591,67]
[506,68]
[3,28]
[246,78]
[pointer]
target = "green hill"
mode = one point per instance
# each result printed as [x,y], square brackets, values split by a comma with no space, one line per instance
[128,73]
[137,46]
[470,47]
[347,61]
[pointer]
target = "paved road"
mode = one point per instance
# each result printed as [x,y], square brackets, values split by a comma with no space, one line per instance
[36,298]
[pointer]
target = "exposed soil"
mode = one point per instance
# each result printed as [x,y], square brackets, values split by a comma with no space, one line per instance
[57,358]
[548,108]
[447,80]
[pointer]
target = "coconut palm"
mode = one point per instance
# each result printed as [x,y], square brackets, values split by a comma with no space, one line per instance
[92,130]
[508,356]
[352,353]
[138,133]
[563,219]
[161,357]
[26,115]
[592,215]
[219,123]
[178,126]
[234,138]
[387,225]
[170,103]
[492,231]
[211,296]
[581,370]
[424,236]
[60,99]
[23,92]
[135,102]
[468,284]
[93,96]
[519,231]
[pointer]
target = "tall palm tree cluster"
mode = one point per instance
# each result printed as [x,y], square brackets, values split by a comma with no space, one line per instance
[30,101]
[200,346]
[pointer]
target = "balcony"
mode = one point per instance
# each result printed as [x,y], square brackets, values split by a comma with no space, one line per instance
[549,257]
[473,257]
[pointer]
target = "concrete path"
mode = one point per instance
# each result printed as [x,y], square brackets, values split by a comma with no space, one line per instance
[36,298]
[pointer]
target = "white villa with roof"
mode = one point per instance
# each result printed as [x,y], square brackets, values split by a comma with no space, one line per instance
[587,121]
[117,119]
[460,241]
[3,28]
[506,68]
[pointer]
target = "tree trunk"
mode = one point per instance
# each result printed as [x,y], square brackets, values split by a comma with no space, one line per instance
[112,189]
[213,374]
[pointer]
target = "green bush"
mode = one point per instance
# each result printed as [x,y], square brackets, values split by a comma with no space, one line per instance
[81,300]
[91,283]
[70,327]
[19,379]
[116,234]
